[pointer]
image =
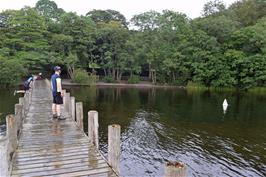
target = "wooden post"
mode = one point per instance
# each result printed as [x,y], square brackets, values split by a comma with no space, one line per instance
[18,115]
[93,126]
[79,114]
[67,104]
[3,156]
[25,102]
[64,98]
[114,132]
[73,106]
[21,102]
[11,135]
[30,95]
[175,169]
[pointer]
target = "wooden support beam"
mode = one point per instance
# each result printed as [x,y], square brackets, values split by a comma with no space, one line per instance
[79,114]
[114,133]
[93,127]
[175,169]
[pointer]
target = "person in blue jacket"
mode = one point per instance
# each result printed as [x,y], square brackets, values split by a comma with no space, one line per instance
[57,93]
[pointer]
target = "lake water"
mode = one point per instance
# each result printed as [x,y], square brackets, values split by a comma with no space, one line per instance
[158,125]
[7,105]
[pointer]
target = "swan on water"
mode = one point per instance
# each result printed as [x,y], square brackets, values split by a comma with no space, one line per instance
[225,105]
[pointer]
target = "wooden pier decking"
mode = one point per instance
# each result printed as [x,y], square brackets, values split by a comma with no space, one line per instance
[51,147]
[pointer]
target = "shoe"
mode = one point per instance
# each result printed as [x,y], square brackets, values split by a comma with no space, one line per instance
[54,116]
[61,118]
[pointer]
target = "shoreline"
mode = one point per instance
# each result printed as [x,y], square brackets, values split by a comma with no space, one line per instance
[139,85]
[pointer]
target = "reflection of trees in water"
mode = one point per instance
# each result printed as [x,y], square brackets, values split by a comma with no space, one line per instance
[7,102]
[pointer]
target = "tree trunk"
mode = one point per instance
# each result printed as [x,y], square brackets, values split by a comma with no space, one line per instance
[154,77]
[70,71]
[120,75]
[150,72]
[117,74]
[173,76]
[104,72]
[113,73]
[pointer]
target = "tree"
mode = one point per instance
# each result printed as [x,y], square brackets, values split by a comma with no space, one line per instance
[111,39]
[81,30]
[49,9]
[247,12]
[221,27]
[11,72]
[213,7]
[24,33]
[106,16]
[146,21]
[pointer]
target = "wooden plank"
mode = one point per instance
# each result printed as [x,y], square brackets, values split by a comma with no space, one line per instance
[56,163]
[30,148]
[68,172]
[80,173]
[54,140]
[50,151]
[59,165]
[54,137]
[47,160]
[56,155]
[49,145]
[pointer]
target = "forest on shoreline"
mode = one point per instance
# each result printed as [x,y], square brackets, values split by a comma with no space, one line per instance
[224,48]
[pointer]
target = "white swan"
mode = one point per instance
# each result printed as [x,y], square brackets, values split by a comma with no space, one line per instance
[225,105]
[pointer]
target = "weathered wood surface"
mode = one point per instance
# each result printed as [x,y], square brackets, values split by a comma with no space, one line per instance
[50,147]
[114,134]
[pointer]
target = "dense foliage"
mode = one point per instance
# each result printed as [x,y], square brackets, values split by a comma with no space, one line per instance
[226,47]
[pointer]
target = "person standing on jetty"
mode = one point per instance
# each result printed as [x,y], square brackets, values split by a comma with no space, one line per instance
[26,85]
[57,93]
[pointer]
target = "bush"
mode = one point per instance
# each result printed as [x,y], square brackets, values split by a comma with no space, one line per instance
[196,86]
[81,77]
[11,72]
[134,79]
[109,79]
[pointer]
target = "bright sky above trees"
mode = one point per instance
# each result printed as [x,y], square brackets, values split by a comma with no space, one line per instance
[192,8]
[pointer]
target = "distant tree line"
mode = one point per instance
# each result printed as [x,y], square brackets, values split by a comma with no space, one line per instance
[226,47]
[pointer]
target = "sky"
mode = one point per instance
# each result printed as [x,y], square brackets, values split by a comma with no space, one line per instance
[192,8]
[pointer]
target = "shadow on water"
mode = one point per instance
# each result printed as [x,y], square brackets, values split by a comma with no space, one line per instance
[171,124]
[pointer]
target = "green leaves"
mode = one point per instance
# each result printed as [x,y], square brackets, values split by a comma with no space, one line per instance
[224,48]
[11,72]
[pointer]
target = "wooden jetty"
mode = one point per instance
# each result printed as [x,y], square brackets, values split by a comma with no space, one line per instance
[35,144]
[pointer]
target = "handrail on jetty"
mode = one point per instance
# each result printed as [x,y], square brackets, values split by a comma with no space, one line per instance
[35,144]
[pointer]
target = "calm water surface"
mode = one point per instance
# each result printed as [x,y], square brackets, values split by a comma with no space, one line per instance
[158,125]
[171,124]
[7,105]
